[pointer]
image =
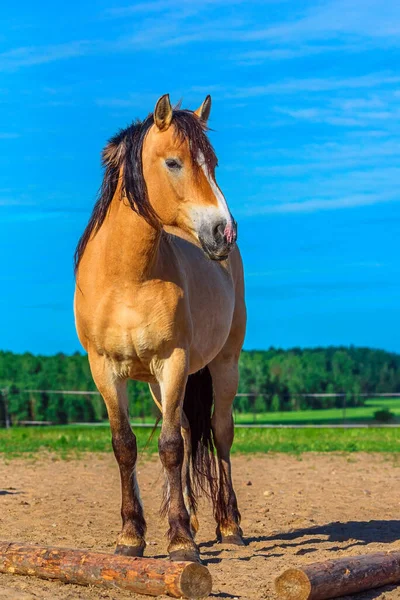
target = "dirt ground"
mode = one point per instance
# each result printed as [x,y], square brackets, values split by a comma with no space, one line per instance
[294,511]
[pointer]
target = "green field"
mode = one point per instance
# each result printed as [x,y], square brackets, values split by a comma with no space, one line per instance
[361,414]
[329,416]
[67,441]
[70,440]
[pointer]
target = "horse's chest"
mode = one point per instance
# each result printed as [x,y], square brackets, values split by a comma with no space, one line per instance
[133,350]
[131,334]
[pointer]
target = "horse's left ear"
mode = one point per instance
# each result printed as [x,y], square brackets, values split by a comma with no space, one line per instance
[163,113]
[203,112]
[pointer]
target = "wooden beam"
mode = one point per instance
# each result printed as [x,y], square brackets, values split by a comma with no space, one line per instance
[150,576]
[340,577]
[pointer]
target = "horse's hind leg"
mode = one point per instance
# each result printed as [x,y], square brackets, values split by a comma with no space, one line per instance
[224,372]
[187,482]
[131,540]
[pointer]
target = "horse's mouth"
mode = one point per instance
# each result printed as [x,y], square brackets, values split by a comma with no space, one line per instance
[217,255]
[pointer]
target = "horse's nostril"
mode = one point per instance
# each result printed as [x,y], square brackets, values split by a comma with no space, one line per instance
[218,231]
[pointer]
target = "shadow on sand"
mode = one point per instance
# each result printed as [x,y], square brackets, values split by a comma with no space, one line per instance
[356,533]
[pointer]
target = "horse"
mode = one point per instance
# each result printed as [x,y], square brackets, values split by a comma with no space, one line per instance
[159,298]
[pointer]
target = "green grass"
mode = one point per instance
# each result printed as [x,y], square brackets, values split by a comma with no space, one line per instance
[361,414]
[66,439]
[317,440]
[69,441]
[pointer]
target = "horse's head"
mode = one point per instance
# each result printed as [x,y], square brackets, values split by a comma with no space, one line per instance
[178,164]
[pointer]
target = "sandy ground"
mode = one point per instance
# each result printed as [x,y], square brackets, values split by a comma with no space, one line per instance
[295,511]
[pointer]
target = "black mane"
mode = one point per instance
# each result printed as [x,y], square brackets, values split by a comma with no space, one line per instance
[125,150]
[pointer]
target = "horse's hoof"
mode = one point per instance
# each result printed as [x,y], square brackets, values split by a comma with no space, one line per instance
[129,550]
[234,539]
[185,555]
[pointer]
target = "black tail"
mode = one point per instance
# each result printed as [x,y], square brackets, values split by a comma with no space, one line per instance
[197,406]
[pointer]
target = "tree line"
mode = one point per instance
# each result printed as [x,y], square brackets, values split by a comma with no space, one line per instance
[274,380]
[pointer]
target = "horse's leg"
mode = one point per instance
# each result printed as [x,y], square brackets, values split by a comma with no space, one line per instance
[188,495]
[131,540]
[224,372]
[171,448]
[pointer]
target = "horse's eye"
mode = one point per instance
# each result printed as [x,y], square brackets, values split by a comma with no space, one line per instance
[173,164]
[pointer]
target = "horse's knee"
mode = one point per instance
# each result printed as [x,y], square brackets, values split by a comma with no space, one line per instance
[171,450]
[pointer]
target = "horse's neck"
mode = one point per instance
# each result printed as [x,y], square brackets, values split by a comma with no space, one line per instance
[132,243]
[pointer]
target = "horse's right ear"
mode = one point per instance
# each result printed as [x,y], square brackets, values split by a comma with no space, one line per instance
[163,113]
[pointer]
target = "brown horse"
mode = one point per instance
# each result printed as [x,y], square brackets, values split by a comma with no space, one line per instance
[160,298]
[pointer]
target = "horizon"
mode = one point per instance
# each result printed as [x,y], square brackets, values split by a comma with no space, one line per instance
[82,351]
[305,128]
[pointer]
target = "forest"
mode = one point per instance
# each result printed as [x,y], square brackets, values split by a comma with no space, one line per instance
[273,380]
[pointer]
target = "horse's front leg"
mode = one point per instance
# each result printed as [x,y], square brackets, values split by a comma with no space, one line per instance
[171,447]
[190,501]
[131,540]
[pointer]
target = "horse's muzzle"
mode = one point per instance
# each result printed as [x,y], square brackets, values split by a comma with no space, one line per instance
[218,241]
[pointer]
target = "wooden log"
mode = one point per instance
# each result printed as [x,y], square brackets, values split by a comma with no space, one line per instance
[141,575]
[340,577]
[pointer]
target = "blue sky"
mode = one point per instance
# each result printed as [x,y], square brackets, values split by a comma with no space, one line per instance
[306,100]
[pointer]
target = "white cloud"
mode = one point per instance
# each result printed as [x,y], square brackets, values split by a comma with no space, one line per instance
[186,7]
[315,85]
[339,20]
[36,55]
[255,57]
[341,118]
[132,100]
[315,205]
[122,12]
[335,26]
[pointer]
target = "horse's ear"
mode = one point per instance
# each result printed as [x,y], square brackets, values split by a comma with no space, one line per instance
[163,113]
[203,112]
